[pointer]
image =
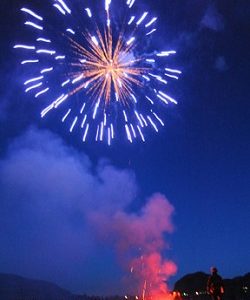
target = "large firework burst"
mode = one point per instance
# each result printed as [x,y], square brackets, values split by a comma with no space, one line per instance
[105,62]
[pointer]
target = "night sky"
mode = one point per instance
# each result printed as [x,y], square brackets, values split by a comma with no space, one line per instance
[50,182]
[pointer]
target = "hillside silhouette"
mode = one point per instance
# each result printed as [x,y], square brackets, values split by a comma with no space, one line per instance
[189,287]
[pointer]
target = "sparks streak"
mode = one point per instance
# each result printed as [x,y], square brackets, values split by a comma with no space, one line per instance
[89,13]
[41,92]
[33,25]
[29,61]
[85,133]
[66,115]
[30,12]
[25,47]
[33,87]
[33,79]
[46,70]
[43,40]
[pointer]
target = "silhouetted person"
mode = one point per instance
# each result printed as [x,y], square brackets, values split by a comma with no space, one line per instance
[215,286]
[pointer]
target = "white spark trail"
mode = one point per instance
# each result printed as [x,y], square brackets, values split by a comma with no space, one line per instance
[65,7]
[33,79]
[46,51]
[140,132]
[168,97]
[41,92]
[70,30]
[83,121]
[89,13]
[173,71]
[109,137]
[133,130]
[65,82]
[33,87]
[97,133]
[80,77]
[85,133]
[144,121]
[128,133]
[139,119]
[130,40]
[101,132]
[82,109]
[43,40]
[73,124]
[29,61]
[60,57]
[171,76]
[152,123]
[125,116]
[131,20]
[131,3]
[59,8]
[142,18]
[25,47]
[150,32]
[33,25]
[166,53]
[33,14]
[151,22]
[162,99]
[95,109]
[112,131]
[66,115]
[150,100]
[158,118]
[46,70]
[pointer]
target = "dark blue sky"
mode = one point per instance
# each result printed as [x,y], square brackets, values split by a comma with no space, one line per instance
[200,161]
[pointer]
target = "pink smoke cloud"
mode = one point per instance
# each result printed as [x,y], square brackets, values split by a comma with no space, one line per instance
[139,240]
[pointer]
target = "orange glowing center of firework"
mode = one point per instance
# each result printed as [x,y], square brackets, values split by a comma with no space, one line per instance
[108,69]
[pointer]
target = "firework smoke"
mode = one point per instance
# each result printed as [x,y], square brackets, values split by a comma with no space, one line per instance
[70,225]
[140,240]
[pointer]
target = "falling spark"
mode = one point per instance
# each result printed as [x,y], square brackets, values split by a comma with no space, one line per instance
[85,133]
[46,70]
[29,61]
[70,30]
[73,124]
[66,115]
[43,40]
[142,18]
[89,13]
[41,92]
[46,51]
[33,79]
[30,12]
[33,87]
[151,22]
[33,25]
[25,47]
[57,6]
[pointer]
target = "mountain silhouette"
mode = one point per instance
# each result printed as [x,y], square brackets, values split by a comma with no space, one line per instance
[13,287]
